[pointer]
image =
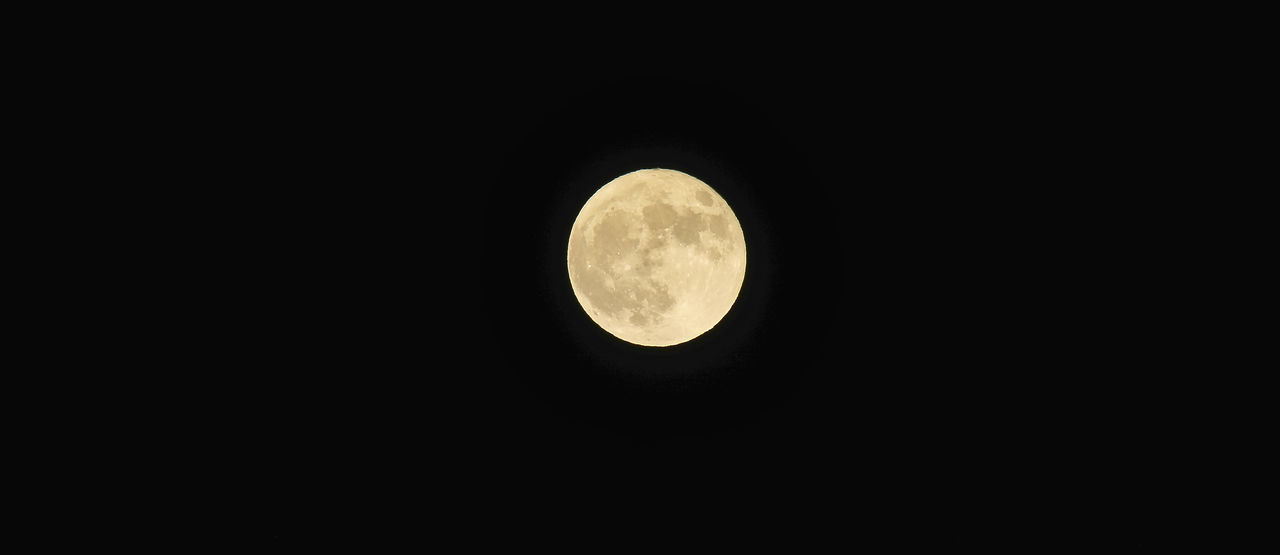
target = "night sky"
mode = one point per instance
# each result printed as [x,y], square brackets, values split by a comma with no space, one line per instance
[936,325]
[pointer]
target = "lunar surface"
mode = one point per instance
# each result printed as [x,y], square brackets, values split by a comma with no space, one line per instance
[656,257]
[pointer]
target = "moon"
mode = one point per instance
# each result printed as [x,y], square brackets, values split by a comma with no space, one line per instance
[656,257]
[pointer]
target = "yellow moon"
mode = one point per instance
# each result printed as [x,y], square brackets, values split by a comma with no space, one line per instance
[656,257]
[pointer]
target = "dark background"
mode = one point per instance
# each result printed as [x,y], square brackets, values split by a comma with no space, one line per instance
[943,334]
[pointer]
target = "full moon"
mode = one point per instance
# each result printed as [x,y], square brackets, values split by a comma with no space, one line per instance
[656,257]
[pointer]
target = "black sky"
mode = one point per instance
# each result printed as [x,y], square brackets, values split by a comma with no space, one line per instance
[938,322]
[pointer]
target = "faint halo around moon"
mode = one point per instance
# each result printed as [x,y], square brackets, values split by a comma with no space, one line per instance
[656,257]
